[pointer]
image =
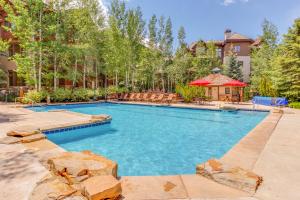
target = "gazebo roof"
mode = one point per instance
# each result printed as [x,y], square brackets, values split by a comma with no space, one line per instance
[217,79]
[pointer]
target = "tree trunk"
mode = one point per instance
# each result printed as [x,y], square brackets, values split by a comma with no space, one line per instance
[126,78]
[96,70]
[116,83]
[40,54]
[55,72]
[84,73]
[153,81]
[75,74]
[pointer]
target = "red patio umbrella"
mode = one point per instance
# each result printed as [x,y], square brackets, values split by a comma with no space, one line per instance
[199,82]
[235,83]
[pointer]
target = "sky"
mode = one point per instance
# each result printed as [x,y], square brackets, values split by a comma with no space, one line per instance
[207,19]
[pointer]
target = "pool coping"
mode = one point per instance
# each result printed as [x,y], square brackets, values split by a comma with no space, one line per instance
[229,157]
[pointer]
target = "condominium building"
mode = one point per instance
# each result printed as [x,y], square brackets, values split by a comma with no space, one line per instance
[238,44]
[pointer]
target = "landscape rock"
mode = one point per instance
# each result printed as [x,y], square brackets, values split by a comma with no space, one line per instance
[100,117]
[76,198]
[23,131]
[101,187]
[33,138]
[77,166]
[235,177]
[51,189]
[228,108]
[9,140]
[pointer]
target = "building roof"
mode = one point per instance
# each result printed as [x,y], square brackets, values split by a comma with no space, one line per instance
[257,42]
[217,79]
[237,36]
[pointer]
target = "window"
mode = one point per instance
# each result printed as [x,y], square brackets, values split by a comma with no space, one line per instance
[227,90]
[237,48]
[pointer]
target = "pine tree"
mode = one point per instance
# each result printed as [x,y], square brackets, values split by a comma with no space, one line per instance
[169,37]
[152,31]
[288,63]
[262,61]
[181,37]
[233,68]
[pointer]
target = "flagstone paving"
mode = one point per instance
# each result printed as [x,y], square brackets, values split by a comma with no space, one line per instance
[276,158]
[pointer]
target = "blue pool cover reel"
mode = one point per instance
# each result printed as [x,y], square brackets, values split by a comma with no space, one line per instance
[270,101]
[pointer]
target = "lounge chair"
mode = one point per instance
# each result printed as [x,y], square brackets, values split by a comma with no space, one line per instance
[125,97]
[152,97]
[143,97]
[137,97]
[131,97]
[169,99]
[121,97]
[160,98]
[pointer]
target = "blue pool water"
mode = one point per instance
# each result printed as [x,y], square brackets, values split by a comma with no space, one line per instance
[147,140]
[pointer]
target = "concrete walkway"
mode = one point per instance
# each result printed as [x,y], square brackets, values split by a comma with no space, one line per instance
[279,163]
[277,160]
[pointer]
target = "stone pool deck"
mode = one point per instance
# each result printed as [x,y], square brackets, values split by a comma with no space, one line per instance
[271,150]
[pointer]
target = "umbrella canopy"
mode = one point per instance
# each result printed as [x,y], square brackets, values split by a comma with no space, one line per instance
[235,83]
[200,82]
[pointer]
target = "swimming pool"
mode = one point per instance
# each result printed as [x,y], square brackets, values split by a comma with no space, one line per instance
[151,140]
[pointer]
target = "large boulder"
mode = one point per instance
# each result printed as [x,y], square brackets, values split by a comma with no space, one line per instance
[50,188]
[100,118]
[23,131]
[101,187]
[235,177]
[76,167]
[9,140]
[33,138]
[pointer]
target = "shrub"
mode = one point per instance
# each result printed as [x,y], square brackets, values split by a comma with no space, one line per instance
[61,95]
[115,90]
[101,92]
[188,93]
[79,95]
[295,105]
[34,96]
[247,94]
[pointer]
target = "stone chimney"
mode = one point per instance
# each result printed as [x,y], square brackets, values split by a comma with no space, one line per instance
[227,34]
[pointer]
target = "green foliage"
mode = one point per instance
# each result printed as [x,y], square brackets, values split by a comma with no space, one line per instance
[181,37]
[3,77]
[247,94]
[287,62]
[75,44]
[34,96]
[115,90]
[61,95]
[80,95]
[262,61]
[4,45]
[188,93]
[234,68]
[295,105]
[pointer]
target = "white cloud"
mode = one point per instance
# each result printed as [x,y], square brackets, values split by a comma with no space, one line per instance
[229,2]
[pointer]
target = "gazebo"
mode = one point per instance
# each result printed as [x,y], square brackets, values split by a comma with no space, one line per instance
[222,88]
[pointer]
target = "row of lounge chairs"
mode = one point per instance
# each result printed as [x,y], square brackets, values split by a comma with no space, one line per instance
[148,97]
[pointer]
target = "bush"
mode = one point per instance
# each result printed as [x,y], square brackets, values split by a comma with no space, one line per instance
[9,97]
[115,90]
[295,105]
[79,95]
[34,96]
[188,93]
[247,94]
[61,95]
